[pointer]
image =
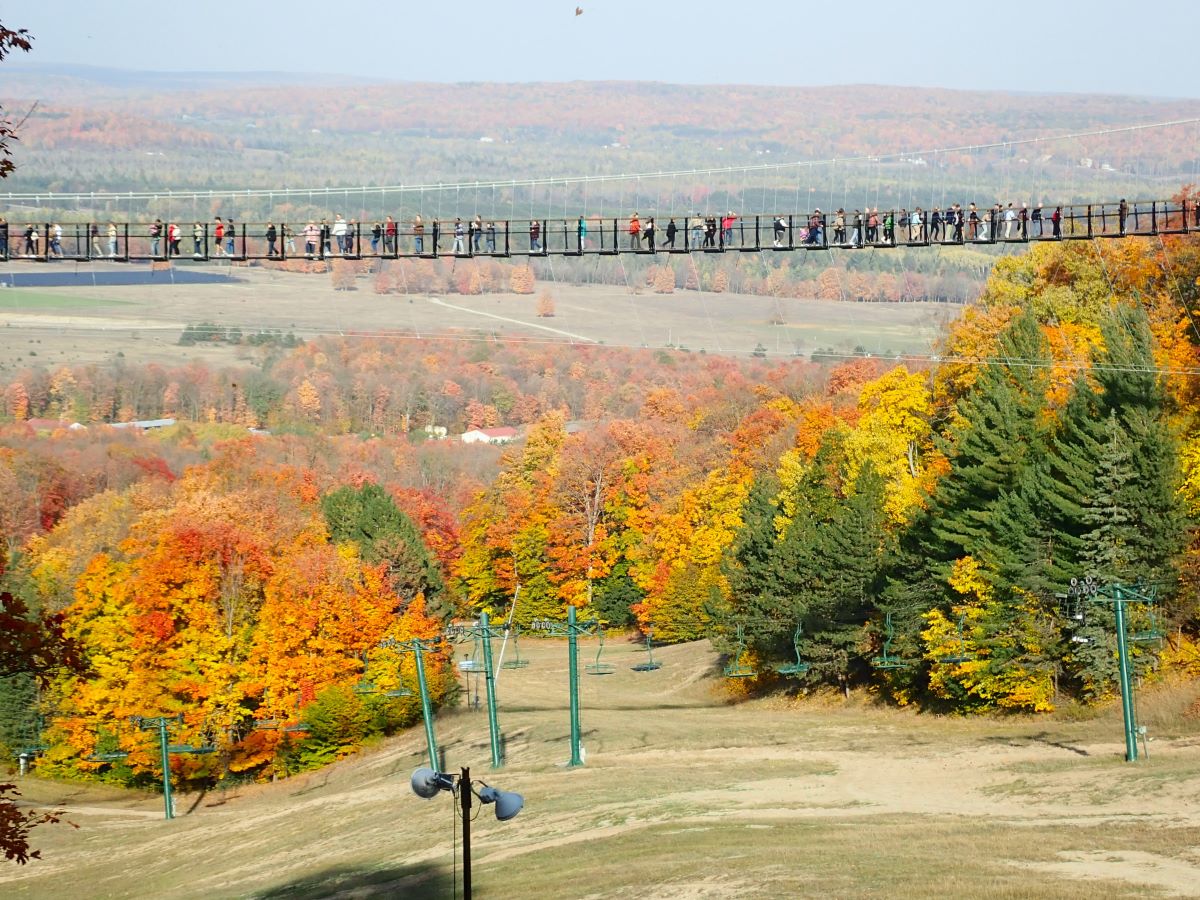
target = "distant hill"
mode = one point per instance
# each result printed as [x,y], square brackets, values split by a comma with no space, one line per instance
[116,129]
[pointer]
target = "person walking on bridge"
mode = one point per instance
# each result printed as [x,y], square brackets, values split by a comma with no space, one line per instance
[339,233]
[1010,222]
[672,230]
[389,235]
[727,224]
[635,232]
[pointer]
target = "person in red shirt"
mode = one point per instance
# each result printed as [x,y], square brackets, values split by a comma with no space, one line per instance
[635,231]
[727,224]
[389,235]
[219,236]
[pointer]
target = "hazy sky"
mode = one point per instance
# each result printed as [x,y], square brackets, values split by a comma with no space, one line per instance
[1051,45]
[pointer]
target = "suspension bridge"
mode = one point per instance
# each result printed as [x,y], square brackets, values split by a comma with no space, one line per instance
[682,233]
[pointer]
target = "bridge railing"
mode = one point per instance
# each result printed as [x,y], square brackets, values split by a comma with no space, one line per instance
[816,230]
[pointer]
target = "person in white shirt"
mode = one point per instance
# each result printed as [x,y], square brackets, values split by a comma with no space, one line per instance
[1010,221]
[339,233]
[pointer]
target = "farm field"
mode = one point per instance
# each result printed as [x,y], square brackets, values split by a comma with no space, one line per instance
[71,325]
[684,794]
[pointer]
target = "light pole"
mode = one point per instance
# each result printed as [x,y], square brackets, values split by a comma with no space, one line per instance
[428,783]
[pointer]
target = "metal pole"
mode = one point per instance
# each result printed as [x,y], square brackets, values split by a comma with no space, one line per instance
[489,676]
[1131,751]
[166,767]
[573,675]
[464,794]
[426,707]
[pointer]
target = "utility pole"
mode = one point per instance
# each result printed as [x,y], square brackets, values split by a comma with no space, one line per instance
[571,631]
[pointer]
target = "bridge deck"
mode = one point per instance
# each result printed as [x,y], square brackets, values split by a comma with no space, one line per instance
[785,232]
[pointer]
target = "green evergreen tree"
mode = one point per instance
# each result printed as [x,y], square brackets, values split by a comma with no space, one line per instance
[847,554]
[368,517]
[997,437]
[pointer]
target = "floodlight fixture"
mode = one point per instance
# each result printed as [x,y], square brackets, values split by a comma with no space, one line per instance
[426,783]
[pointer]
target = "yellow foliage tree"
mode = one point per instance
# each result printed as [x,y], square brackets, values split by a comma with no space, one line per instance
[892,428]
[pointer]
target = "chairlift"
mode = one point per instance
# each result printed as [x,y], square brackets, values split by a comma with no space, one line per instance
[650,665]
[109,756]
[472,663]
[962,655]
[736,667]
[365,685]
[191,748]
[1152,632]
[799,667]
[597,667]
[516,662]
[886,659]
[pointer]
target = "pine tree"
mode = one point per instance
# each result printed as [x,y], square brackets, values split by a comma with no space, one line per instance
[851,545]
[368,517]
[997,435]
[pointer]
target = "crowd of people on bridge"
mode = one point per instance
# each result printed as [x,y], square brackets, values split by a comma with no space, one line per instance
[864,227]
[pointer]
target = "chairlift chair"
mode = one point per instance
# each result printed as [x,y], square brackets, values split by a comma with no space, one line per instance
[650,665]
[799,667]
[962,655]
[365,685]
[109,756]
[472,663]
[736,668]
[516,662]
[597,667]
[886,659]
[1153,631]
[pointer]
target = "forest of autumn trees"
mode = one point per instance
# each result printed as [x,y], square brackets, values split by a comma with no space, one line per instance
[239,579]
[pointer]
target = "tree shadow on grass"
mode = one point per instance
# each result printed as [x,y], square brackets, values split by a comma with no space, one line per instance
[421,881]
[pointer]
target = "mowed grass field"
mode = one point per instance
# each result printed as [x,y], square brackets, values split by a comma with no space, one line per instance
[685,793]
[67,325]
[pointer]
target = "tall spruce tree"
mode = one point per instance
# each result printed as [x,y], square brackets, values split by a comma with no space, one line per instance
[848,551]
[997,435]
[368,517]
